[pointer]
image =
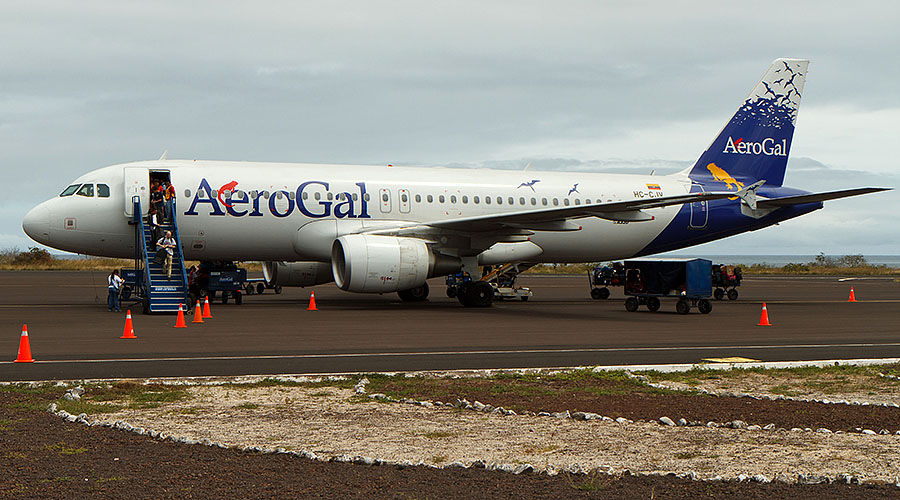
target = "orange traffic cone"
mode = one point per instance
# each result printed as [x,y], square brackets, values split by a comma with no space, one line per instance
[179,322]
[764,317]
[129,328]
[198,315]
[206,313]
[312,302]
[852,295]
[24,347]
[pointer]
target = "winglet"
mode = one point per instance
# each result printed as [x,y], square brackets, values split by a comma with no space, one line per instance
[748,194]
[164,155]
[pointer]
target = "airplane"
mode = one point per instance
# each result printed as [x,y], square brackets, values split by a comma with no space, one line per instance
[381,229]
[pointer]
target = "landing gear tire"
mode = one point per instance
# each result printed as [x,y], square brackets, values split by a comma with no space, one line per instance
[684,307]
[719,294]
[600,293]
[277,289]
[631,304]
[704,306]
[732,294]
[452,292]
[476,294]
[652,304]
[238,297]
[417,294]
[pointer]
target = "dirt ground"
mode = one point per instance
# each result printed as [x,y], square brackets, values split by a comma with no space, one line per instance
[45,457]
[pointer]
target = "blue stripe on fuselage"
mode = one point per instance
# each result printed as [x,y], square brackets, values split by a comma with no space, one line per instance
[724,219]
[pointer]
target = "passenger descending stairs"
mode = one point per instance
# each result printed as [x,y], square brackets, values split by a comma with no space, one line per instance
[165,293]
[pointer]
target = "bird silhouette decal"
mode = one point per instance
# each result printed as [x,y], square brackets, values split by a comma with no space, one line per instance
[529,184]
[574,189]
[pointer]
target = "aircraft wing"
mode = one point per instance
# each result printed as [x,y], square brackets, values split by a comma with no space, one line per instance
[555,219]
[814,197]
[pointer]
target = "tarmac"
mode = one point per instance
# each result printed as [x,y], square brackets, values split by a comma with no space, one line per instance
[73,336]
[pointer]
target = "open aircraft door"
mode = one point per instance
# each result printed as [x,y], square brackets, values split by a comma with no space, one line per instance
[136,184]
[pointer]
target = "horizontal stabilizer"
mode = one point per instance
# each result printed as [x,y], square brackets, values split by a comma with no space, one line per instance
[816,197]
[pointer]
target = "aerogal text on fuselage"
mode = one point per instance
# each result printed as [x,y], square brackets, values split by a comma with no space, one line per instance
[344,205]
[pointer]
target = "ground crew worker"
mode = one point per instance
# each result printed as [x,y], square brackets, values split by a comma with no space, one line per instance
[115,284]
[169,244]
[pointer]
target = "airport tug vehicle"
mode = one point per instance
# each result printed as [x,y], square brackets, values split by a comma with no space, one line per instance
[687,280]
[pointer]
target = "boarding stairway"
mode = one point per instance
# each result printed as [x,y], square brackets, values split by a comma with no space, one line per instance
[159,293]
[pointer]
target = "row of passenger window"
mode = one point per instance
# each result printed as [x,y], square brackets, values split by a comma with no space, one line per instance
[385,197]
[499,200]
[86,190]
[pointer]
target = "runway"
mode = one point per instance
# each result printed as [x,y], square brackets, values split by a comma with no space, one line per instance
[73,337]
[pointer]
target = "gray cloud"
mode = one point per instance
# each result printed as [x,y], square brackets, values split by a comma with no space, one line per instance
[467,84]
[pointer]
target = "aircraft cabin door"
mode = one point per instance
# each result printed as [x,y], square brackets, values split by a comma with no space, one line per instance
[699,211]
[136,180]
[384,195]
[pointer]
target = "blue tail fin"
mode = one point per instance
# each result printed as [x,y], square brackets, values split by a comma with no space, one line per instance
[755,143]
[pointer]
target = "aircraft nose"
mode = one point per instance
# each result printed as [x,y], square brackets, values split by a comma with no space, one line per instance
[36,224]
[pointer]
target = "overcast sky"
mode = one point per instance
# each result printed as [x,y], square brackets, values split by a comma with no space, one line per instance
[593,86]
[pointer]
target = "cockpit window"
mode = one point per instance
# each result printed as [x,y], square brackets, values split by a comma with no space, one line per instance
[69,191]
[86,190]
[103,190]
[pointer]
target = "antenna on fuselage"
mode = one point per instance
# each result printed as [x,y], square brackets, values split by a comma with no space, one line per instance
[164,155]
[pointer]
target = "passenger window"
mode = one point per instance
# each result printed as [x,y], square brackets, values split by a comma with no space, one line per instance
[475,200]
[430,199]
[355,197]
[305,195]
[418,198]
[187,193]
[404,198]
[384,197]
[368,197]
[103,190]
[577,201]
[533,202]
[555,202]
[291,195]
[499,200]
[522,201]
[279,195]
[566,202]
[86,190]
[69,191]
[318,196]
[487,200]
[544,201]
[330,196]
[441,198]
[510,200]
[465,199]
[452,198]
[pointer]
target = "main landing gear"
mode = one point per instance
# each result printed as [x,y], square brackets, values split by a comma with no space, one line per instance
[417,294]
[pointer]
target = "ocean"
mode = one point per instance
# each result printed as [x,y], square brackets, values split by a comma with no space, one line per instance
[781,260]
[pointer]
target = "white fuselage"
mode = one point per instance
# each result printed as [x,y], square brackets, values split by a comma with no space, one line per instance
[292,212]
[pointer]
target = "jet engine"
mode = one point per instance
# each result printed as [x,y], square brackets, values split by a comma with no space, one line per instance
[296,273]
[377,264]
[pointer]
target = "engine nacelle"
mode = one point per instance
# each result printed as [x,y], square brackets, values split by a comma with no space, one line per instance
[378,264]
[297,273]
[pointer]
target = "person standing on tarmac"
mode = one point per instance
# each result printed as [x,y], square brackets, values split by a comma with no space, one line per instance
[115,284]
[169,244]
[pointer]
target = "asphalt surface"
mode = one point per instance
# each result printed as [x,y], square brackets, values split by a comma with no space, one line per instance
[74,337]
